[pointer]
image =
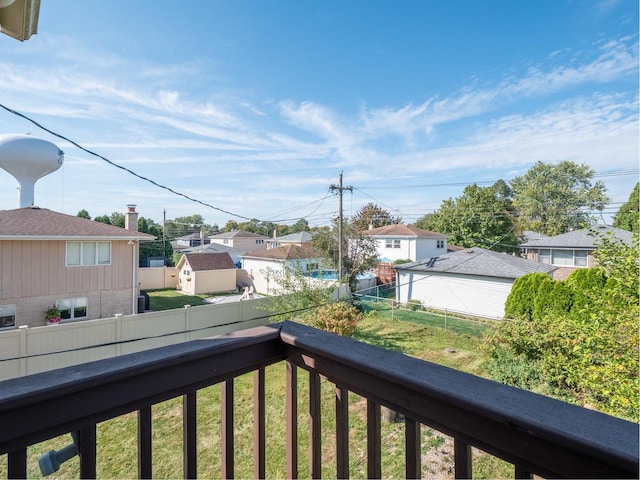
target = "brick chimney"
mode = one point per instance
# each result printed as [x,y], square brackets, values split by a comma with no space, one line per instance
[131,218]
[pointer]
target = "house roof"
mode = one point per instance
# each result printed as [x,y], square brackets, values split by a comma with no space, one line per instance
[237,234]
[584,238]
[478,261]
[208,261]
[284,252]
[213,248]
[193,236]
[34,223]
[300,237]
[400,230]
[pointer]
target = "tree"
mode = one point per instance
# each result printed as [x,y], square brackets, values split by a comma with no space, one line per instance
[359,250]
[551,199]
[84,214]
[103,219]
[628,215]
[580,341]
[230,226]
[480,217]
[300,226]
[371,215]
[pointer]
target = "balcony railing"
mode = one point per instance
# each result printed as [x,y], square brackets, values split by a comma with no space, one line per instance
[538,435]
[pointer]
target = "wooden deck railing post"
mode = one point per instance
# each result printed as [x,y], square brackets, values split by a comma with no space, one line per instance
[87,451]
[462,459]
[259,436]
[292,420]
[17,464]
[342,432]
[413,461]
[145,466]
[374,445]
[315,426]
[189,436]
[227,426]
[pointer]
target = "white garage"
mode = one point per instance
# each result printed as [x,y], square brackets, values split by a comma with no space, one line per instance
[473,281]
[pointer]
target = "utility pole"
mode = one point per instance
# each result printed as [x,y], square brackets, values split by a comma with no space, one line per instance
[339,188]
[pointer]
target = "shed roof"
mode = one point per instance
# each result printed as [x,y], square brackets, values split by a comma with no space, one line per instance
[209,261]
[34,223]
[478,261]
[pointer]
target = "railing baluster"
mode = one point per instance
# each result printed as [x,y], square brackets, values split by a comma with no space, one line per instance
[374,447]
[520,472]
[189,436]
[315,429]
[17,464]
[259,437]
[145,465]
[292,420]
[342,432]
[462,459]
[87,452]
[413,461]
[227,430]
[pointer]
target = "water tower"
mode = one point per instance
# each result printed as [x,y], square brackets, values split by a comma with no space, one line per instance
[28,159]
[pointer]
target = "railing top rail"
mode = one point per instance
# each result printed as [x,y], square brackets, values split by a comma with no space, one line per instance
[51,403]
[471,405]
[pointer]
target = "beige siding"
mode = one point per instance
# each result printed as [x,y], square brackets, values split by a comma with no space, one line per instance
[33,276]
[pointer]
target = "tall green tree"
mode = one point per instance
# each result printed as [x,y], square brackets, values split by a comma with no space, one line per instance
[553,199]
[628,215]
[301,225]
[374,216]
[480,217]
[83,214]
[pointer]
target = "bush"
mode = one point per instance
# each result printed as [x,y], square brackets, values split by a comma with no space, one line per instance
[341,318]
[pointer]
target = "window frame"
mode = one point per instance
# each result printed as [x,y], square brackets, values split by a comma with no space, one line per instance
[9,306]
[84,257]
[551,256]
[439,243]
[72,308]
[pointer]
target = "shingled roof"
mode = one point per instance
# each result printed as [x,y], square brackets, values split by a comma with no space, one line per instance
[400,230]
[584,238]
[34,223]
[284,252]
[209,261]
[478,261]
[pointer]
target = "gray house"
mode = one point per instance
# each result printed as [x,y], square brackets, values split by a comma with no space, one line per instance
[471,281]
[572,250]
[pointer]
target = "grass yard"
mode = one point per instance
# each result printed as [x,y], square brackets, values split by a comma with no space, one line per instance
[167,299]
[117,447]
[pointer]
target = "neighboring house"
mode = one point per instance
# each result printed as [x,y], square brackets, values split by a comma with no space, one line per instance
[234,253]
[193,240]
[206,273]
[241,240]
[259,263]
[406,242]
[300,239]
[473,281]
[87,269]
[572,250]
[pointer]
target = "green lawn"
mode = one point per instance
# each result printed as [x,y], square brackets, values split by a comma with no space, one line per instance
[167,299]
[117,437]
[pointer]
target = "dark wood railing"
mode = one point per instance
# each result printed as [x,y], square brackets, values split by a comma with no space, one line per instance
[538,435]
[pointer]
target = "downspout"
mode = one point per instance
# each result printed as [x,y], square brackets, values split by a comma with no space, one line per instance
[133,276]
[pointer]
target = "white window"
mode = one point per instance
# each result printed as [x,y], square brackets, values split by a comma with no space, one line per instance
[7,316]
[392,243]
[439,243]
[580,258]
[225,241]
[72,308]
[88,253]
[544,255]
[260,241]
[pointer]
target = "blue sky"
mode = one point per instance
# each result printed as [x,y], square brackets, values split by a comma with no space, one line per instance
[255,107]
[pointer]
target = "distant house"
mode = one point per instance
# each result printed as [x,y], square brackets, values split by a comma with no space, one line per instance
[406,242]
[300,239]
[572,250]
[258,263]
[206,273]
[234,253]
[241,240]
[472,281]
[85,268]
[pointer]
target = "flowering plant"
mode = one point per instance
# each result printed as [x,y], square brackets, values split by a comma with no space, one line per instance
[53,315]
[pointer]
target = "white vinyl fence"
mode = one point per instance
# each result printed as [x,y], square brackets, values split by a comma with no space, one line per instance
[26,351]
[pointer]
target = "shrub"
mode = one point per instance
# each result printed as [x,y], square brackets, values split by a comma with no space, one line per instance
[341,318]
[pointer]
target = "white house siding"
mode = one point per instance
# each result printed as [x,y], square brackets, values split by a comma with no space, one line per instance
[410,248]
[257,267]
[475,295]
[427,248]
